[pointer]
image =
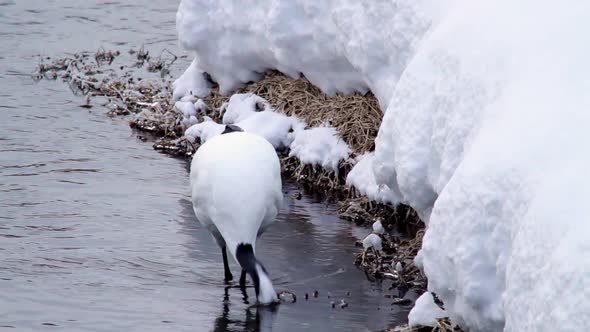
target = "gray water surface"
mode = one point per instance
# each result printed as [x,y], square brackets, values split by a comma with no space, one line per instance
[96,228]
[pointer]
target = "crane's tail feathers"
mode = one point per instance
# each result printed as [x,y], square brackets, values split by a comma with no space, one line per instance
[264,290]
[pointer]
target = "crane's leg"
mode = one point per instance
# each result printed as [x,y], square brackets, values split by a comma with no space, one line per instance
[243,279]
[228,275]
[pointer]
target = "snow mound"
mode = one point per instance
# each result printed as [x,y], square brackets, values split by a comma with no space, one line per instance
[243,105]
[204,131]
[187,108]
[320,146]
[317,146]
[362,178]
[425,312]
[201,106]
[275,127]
[245,111]
[191,83]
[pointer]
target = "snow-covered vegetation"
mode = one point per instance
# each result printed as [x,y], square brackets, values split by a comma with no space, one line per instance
[320,146]
[314,146]
[485,118]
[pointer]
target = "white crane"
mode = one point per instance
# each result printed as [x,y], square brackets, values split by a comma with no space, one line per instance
[236,193]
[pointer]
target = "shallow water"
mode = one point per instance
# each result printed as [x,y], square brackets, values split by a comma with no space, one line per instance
[96,228]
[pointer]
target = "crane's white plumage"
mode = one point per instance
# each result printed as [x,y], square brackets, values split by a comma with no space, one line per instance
[236,193]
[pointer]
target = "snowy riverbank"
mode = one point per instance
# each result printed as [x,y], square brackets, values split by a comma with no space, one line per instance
[481,131]
[309,142]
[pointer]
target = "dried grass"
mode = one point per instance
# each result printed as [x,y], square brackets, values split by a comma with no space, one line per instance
[356,117]
[396,249]
[442,325]
[95,76]
[315,177]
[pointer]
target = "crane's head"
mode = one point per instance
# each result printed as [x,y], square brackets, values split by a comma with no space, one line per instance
[265,292]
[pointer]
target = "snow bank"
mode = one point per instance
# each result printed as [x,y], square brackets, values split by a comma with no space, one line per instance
[191,83]
[363,179]
[320,146]
[340,46]
[483,134]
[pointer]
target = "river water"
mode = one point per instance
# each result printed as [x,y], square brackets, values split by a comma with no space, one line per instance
[96,228]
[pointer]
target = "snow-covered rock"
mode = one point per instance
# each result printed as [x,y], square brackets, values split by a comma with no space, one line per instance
[483,134]
[243,105]
[275,127]
[201,106]
[425,312]
[378,227]
[320,146]
[204,131]
[186,108]
[373,241]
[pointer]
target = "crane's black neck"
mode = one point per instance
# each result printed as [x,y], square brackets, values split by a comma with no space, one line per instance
[231,129]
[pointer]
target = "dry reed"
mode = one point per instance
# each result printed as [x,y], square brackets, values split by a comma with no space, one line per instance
[356,117]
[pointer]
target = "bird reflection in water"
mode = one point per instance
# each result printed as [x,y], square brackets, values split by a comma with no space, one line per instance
[257,318]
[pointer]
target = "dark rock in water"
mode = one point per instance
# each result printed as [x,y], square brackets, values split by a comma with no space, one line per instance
[315,293]
[306,296]
[343,304]
[333,304]
[286,296]
[231,129]
[400,301]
